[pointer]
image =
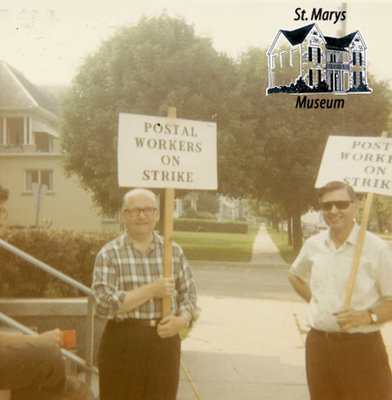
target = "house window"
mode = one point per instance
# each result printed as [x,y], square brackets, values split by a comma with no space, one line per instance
[319,75]
[360,77]
[310,77]
[42,176]
[15,130]
[273,60]
[357,58]
[318,55]
[355,77]
[310,51]
[281,58]
[291,56]
[43,142]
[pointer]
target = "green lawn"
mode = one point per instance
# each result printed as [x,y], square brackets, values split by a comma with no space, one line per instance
[217,246]
[386,236]
[286,251]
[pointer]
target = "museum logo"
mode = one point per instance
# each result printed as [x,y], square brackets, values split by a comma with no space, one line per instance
[304,61]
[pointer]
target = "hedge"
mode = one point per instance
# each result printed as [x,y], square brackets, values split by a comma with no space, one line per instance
[72,253]
[69,252]
[205,225]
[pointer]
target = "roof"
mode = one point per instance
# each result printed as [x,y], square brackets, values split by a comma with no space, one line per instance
[342,43]
[17,92]
[298,35]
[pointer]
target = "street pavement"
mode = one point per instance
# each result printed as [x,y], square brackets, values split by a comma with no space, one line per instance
[248,342]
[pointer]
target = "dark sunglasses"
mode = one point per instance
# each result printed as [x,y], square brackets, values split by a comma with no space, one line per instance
[341,205]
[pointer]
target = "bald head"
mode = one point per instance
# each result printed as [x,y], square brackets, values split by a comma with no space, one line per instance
[137,192]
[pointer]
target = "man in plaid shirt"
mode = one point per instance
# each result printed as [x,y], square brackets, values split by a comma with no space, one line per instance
[139,354]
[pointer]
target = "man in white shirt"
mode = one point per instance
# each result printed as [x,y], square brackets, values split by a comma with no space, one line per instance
[345,354]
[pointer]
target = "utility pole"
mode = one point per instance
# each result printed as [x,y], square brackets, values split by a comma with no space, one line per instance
[343,27]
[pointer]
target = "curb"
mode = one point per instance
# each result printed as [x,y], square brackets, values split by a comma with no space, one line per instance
[230,264]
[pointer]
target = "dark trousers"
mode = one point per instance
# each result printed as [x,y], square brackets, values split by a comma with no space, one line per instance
[136,364]
[32,371]
[347,367]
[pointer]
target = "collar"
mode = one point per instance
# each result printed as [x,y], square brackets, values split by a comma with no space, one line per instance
[353,236]
[351,239]
[156,241]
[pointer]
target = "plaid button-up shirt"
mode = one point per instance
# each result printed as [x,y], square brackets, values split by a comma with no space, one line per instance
[120,267]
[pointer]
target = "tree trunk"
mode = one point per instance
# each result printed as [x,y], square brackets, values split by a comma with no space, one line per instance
[380,225]
[289,231]
[297,231]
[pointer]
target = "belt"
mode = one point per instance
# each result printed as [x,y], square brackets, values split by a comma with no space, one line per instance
[344,335]
[152,323]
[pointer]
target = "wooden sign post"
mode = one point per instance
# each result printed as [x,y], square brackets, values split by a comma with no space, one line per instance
[358,249]
[168,233]
[362,162]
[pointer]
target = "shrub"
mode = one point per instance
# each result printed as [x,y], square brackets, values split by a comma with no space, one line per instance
[70,253]
[204,225]
[362,87]
[301,87]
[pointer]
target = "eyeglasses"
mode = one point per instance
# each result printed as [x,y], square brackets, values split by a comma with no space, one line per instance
[135,212]
[340,205]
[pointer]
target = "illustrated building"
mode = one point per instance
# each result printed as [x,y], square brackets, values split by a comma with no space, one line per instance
[30,156]
[306,53]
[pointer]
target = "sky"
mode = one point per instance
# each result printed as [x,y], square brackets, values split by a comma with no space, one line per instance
[47,40]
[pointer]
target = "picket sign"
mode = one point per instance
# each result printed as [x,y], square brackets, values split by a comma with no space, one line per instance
[359,245]
[333,168]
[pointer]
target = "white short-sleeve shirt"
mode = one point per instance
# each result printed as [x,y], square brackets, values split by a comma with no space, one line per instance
[327,271]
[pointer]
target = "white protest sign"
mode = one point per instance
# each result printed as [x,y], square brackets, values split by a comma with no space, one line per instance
[161,152]
[365,163]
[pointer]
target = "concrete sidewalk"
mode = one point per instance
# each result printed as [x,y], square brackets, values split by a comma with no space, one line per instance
[265,250]
[247,348]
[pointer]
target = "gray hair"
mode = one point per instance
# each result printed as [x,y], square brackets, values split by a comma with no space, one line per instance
[135,192]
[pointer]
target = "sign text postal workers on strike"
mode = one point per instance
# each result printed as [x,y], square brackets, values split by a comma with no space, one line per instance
[365,163]
[161,152]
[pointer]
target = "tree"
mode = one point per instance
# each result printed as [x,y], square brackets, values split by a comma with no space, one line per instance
[207,201]
[381,213]
[273,213]
[142,69]
[281,147]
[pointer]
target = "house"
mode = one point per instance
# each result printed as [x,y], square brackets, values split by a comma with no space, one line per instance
[232,209]
[306,53]
[31,159]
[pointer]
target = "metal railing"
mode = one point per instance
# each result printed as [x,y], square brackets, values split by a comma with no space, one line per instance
[86,364]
